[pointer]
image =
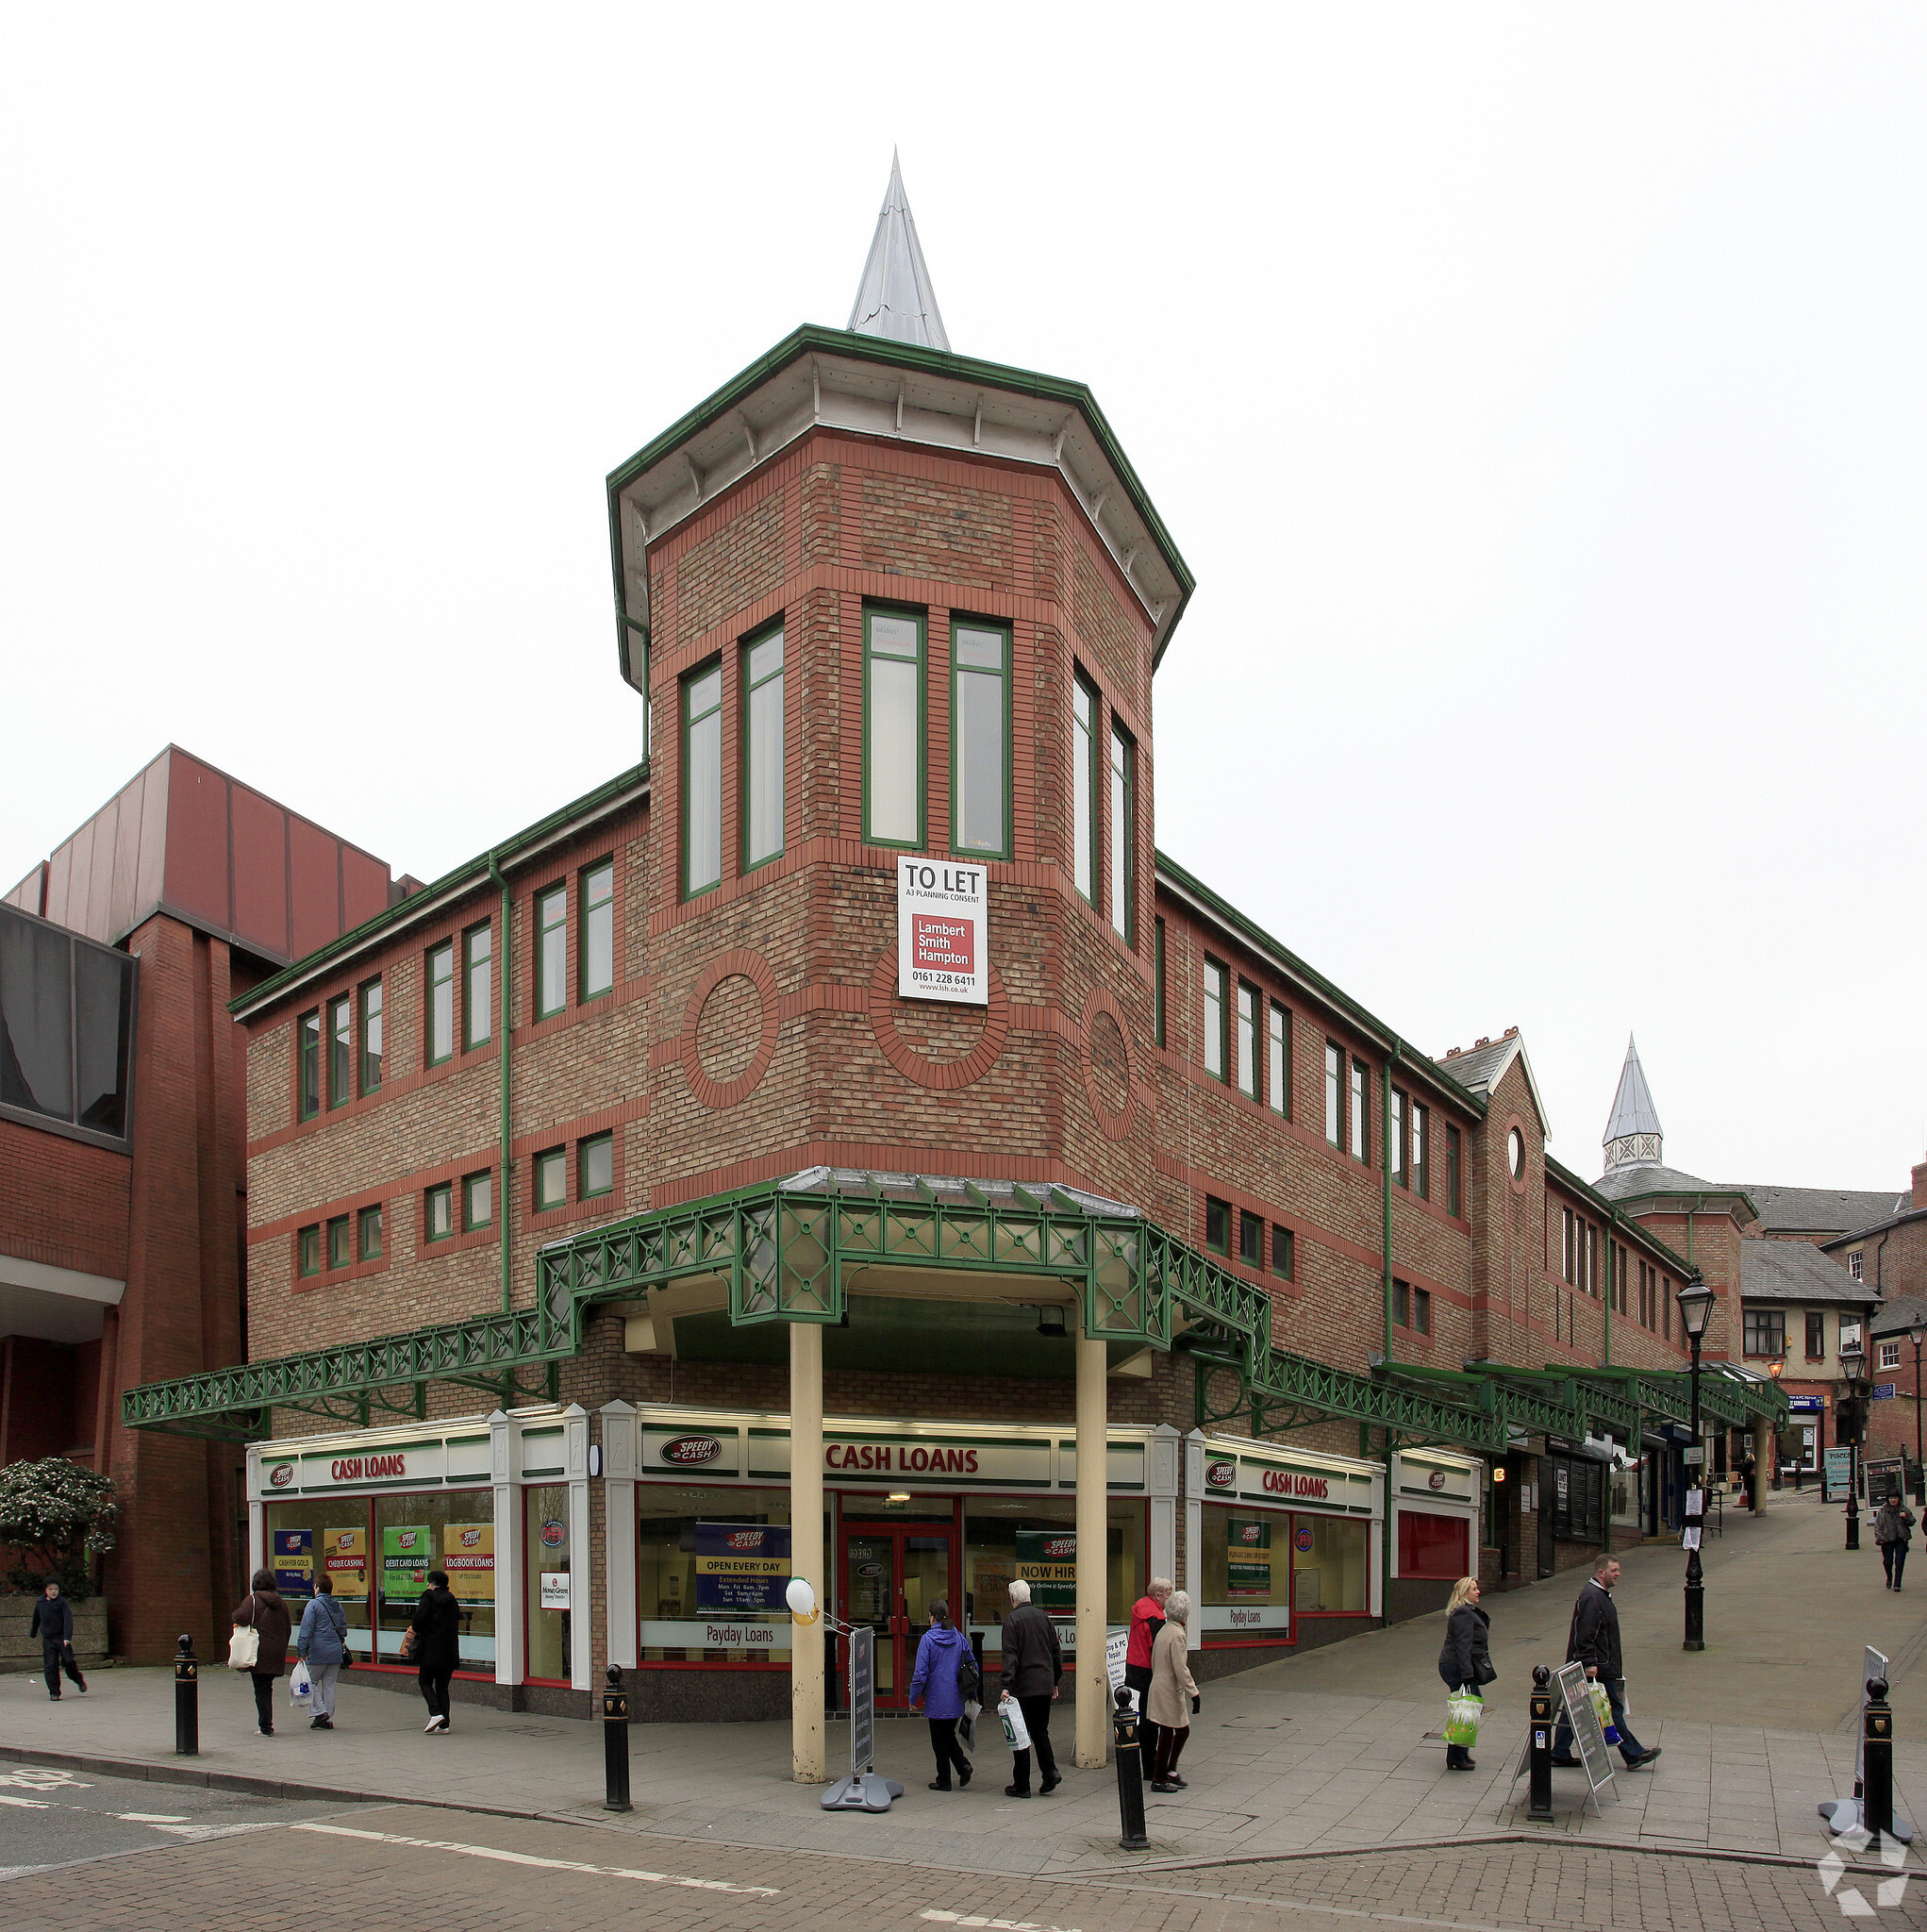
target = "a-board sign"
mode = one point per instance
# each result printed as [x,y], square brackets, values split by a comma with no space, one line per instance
[1872,1665]
[1884,1474]
[862,1699]
[1836,1469]
[1586,1733]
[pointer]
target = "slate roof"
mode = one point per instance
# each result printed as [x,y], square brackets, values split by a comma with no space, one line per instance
[1632,1110]
[1650,1177]
[1898,1215]
[1481,1069]
[1897,1316]
[1835,1210]
[956,1189]
[1771,1271]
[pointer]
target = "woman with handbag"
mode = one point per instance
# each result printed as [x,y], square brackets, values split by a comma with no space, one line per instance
[437,1630]
[1465,1661]
[1173,1693]
[265,1615]
[945,1676]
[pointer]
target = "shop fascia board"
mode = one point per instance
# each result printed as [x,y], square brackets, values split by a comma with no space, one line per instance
[1316,988]
[523,848]
[1282,1455]
[897,391]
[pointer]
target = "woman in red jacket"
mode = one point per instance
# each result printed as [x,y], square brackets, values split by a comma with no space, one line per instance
[1147,1619]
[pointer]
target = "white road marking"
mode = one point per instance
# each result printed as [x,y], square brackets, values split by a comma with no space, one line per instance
[26,1804]
[435,1844]
[939,1918]
[152,1817]
[43,1777]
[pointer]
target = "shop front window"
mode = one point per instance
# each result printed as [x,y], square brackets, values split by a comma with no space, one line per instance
[1327,1566]
[453,1531]
[323,1539]
[711,1569]
[1246,1586]
[1433,1545]
[549,1564]
[1035,1538]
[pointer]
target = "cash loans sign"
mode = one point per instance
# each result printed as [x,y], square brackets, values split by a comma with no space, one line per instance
[943,932]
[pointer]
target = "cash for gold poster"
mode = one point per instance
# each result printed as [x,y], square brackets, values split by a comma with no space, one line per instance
[468,1554]
[1248,1557]
[404,1561]
[344,1560]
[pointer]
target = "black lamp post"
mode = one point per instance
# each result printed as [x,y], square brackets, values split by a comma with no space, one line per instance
[1916,1335]
[1696,1308]
[1853,1357]
[1776,1368]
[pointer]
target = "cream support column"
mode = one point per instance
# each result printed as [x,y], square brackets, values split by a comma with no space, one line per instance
[1093,1581]
[806,1550]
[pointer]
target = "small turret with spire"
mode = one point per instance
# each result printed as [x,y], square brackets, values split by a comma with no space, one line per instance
[1633,1135]
[894,298]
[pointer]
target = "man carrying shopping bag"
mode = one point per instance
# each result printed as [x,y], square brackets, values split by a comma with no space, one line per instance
[1465,1662]
[321,1644]
[1033,1665]
[1594,1641]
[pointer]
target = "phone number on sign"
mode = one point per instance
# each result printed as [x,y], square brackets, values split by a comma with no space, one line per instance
[922,976]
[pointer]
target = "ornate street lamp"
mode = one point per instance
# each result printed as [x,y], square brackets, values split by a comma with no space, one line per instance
[1853,1358]
[1916,1335]
[1776,1368]
[1696,1308]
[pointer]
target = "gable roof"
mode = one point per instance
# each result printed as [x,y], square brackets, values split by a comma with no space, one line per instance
[1480,1070]
[1782,1271]
[1901,1215]
[1897,1316]
[1824,1210]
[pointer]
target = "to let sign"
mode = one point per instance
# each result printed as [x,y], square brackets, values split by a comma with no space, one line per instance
[943,932]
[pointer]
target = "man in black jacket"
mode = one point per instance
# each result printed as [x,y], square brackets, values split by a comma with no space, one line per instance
[1594,1641]
[1033,1664]
[53,1623]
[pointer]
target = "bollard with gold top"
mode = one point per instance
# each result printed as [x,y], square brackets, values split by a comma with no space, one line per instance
[1538,1747]
[615,1742]
[187,1700]
[1877,1761]
[1130,1772]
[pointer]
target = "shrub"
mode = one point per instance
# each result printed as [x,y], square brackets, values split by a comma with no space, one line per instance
[59,1517]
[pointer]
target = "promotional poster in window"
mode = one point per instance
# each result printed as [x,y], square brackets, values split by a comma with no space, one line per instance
[741,1566]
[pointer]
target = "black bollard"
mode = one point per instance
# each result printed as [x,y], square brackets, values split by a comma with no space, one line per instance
[1877,1756]
[1538,1744]
[615,1742]
[1130,1774]
[187,1700]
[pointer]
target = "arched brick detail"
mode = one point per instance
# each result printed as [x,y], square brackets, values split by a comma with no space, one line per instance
[913,1066]
[1113,1126]
[755,969]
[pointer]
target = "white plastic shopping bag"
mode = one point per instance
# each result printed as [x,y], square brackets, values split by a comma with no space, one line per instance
[1016,1732]
[300,1686]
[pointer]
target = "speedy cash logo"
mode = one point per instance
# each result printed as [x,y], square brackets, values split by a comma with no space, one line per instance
[1221,1475]
[472,1538]
[684,1451]
[1251,1532]
[1060,1549]
[1436,1479]
[407,1538]
[744,1539]
[281,1476]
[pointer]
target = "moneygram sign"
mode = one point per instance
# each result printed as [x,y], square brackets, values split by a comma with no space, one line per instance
[943,932]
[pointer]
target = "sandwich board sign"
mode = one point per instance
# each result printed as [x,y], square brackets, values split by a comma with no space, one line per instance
[863,1789]
[1587,1737]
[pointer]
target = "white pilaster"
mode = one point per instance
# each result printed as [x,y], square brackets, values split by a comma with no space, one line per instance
[619,1528]
[581,1591]
[504,1452]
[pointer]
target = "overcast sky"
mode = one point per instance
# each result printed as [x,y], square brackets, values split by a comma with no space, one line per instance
[1536,393]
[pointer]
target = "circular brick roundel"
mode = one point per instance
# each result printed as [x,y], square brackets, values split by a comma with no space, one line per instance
[731,1093]
[911,1064]
[1110,1075]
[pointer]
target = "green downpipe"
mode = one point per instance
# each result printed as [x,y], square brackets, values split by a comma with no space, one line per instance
[1612,1221]
[508,1011]
[1385,1140]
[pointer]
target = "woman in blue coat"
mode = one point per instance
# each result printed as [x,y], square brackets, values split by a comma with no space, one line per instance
[934,1686]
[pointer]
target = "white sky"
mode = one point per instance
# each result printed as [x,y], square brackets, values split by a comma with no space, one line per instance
[1536,393]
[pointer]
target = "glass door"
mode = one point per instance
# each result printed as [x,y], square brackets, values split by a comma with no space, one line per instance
[892,1573]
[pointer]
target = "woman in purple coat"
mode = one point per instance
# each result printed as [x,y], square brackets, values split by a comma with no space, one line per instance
[934,1684]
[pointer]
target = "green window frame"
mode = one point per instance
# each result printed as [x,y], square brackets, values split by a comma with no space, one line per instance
[1402,1304]
[440,1003]
[1123,880]
[1217,1040]
[1335,1094]
[1282,1255]
[1420,1134]
[1451,1172]
[550,1173]
[1278,1042]
[371,1037]
[895,780]
[1421,1311]
[552,951]
[340,1052]
[1247,1040]
[370,1232]
[1084,784]
[477,985]
[596,1159]
[340,1251]
[438,1213]
[1251,1238]
[980,688]
[477,1201]
[762,749]
[1157,978]
[1360,1107]
[703,781]
[1400,1102]
[307,1051]
[1217,1224]
[599,930]
[307,1249]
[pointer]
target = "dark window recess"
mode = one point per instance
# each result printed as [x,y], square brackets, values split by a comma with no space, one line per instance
[66,1021]
[1251,1239]
[1421,1311]
[1218,1225]
[1281,1252]
[1815,1337]
[1574,1491]
[1402,1304]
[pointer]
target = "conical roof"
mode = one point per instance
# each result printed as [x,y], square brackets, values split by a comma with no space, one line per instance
[895,298]
[1632,1110]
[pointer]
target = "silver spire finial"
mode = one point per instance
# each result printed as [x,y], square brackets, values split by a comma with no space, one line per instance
[894,298]
[1632,1134]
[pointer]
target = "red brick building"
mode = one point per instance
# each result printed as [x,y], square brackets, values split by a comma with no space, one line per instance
[801,1152]
[122,1209]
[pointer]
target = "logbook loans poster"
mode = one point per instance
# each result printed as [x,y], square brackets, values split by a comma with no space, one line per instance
[468,1555]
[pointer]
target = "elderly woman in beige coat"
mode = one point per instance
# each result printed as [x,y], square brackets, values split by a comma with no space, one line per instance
[1168,1704]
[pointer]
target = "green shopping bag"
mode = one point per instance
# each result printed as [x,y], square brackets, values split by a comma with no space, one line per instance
[1463,1710]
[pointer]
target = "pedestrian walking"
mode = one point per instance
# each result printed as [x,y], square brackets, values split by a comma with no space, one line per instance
[264,1611]
[945,1675]
[1147,1619]
[1465,1661]
[1032,1667]
[1172,1690]
[1594,1641]
[1893,1530]
[53,1623]
[437,1625]
[321,1644]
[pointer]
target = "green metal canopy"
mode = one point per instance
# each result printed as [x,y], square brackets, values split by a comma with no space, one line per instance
[785,1251]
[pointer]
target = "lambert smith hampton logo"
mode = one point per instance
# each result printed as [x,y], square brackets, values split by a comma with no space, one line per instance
[281,1474]
[685,1450]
